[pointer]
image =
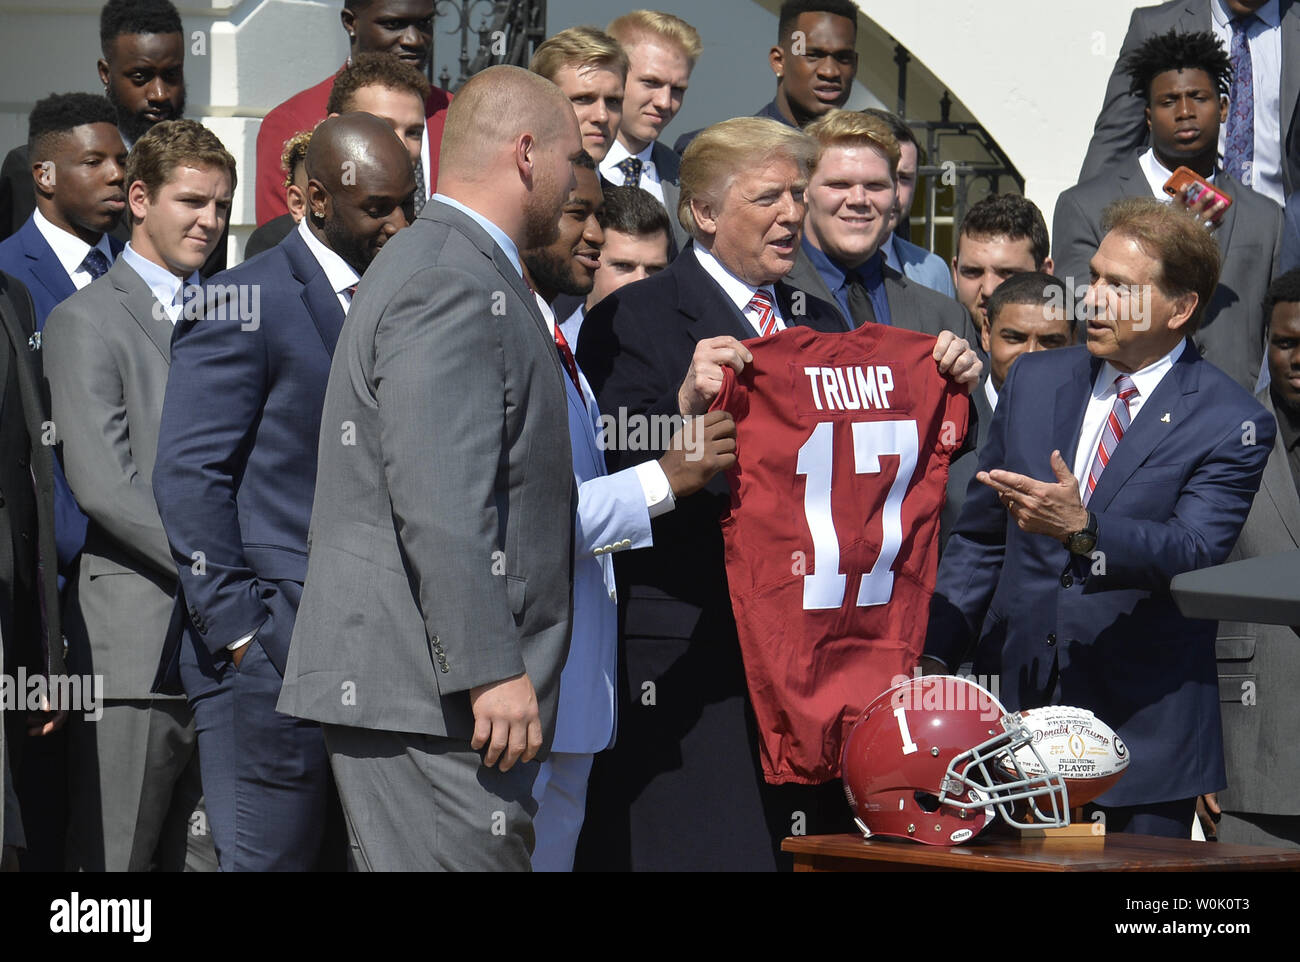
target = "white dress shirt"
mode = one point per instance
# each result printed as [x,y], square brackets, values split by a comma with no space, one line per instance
[1103,399]
[1157,174]
[572,326]
[1264,37]
[654,483]
[991,393]
[738,291]
[167,288]
[70,249]
[338,272]
[649,175]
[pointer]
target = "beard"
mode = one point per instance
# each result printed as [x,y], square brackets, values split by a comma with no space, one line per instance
[552,273]
[133,125]
[542,213]
[337,238]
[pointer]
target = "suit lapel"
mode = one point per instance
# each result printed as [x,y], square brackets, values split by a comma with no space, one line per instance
[1233,188]
[1150,428]
[699,297]
[1290,68]
[1278,485]
[1071,401]
[139,300]
[45,264]
[585,414]
[318,296]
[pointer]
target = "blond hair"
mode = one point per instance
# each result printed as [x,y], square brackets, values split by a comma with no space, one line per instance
[851,128]
[578,47]
[641,25]
[722,151]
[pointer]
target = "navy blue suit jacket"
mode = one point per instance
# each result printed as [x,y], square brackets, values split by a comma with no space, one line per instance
[27,256]
[236,467]
[1173,498]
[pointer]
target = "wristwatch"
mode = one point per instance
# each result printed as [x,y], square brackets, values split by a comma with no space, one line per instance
[1082,542]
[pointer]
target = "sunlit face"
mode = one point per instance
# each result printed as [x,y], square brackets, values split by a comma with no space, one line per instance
[1131,322]
[597,96]
[180,227]
[400,27]
[1022,329]
[816,65]
[754,229]
[982,263]
[626,258]
[851,199]
[657,77]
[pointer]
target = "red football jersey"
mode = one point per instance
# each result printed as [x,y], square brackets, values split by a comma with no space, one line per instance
[843,443]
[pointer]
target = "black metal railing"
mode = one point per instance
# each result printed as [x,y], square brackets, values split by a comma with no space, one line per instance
[491,32]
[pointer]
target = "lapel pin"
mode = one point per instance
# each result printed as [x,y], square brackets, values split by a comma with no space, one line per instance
[34,342]
[1165,418]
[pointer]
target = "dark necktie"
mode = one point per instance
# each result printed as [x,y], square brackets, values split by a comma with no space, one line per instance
[630,168]
[421,195]
[1239,137]
[95,263]
[866,294]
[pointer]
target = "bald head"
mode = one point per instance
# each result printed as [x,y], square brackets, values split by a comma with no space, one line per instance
[508,148]
[492,112]
[359,186]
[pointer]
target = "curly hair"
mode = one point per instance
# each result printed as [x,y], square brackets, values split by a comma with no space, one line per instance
[59,113]
[1177,51]
[136,16]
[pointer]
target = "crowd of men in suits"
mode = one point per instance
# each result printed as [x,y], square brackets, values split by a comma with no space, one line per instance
[339,531]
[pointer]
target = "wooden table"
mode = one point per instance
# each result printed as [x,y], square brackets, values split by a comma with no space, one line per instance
[1114,853]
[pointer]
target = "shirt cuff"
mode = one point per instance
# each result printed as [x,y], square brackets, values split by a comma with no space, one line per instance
[658,492]
[236,645]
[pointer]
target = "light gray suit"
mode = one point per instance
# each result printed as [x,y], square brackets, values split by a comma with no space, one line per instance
[1231,335]
[1258,668]
[1121,129]
[441,547]
[134,776]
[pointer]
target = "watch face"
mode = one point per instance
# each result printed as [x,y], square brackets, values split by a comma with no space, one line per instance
[1082,542]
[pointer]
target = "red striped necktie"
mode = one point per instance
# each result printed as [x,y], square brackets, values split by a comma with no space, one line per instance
[761,304]
[1117,423]
[566,356]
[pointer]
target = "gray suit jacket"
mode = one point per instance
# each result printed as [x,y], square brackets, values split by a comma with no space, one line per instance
[912,306]
[1259,664]
[1121,128]
[669,167]
[1231,334]
[106,360]
[441,543]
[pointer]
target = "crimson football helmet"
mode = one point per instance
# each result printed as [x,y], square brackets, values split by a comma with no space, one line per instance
[931,759]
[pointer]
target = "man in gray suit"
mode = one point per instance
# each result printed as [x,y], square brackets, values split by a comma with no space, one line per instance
[851,196]
[1266,34]
[1182,77]
[661,53]
[1258,664]
[435,617]
[134,773]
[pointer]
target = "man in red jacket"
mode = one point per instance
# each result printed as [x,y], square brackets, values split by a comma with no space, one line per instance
[401,27]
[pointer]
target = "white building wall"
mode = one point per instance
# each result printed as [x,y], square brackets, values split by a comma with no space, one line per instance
[1031,71]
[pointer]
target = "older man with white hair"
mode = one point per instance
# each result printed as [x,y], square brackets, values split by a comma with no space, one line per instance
[682,789]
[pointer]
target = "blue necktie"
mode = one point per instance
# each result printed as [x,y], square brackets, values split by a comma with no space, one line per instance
[1239,139]
[630,167]
[95,263]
